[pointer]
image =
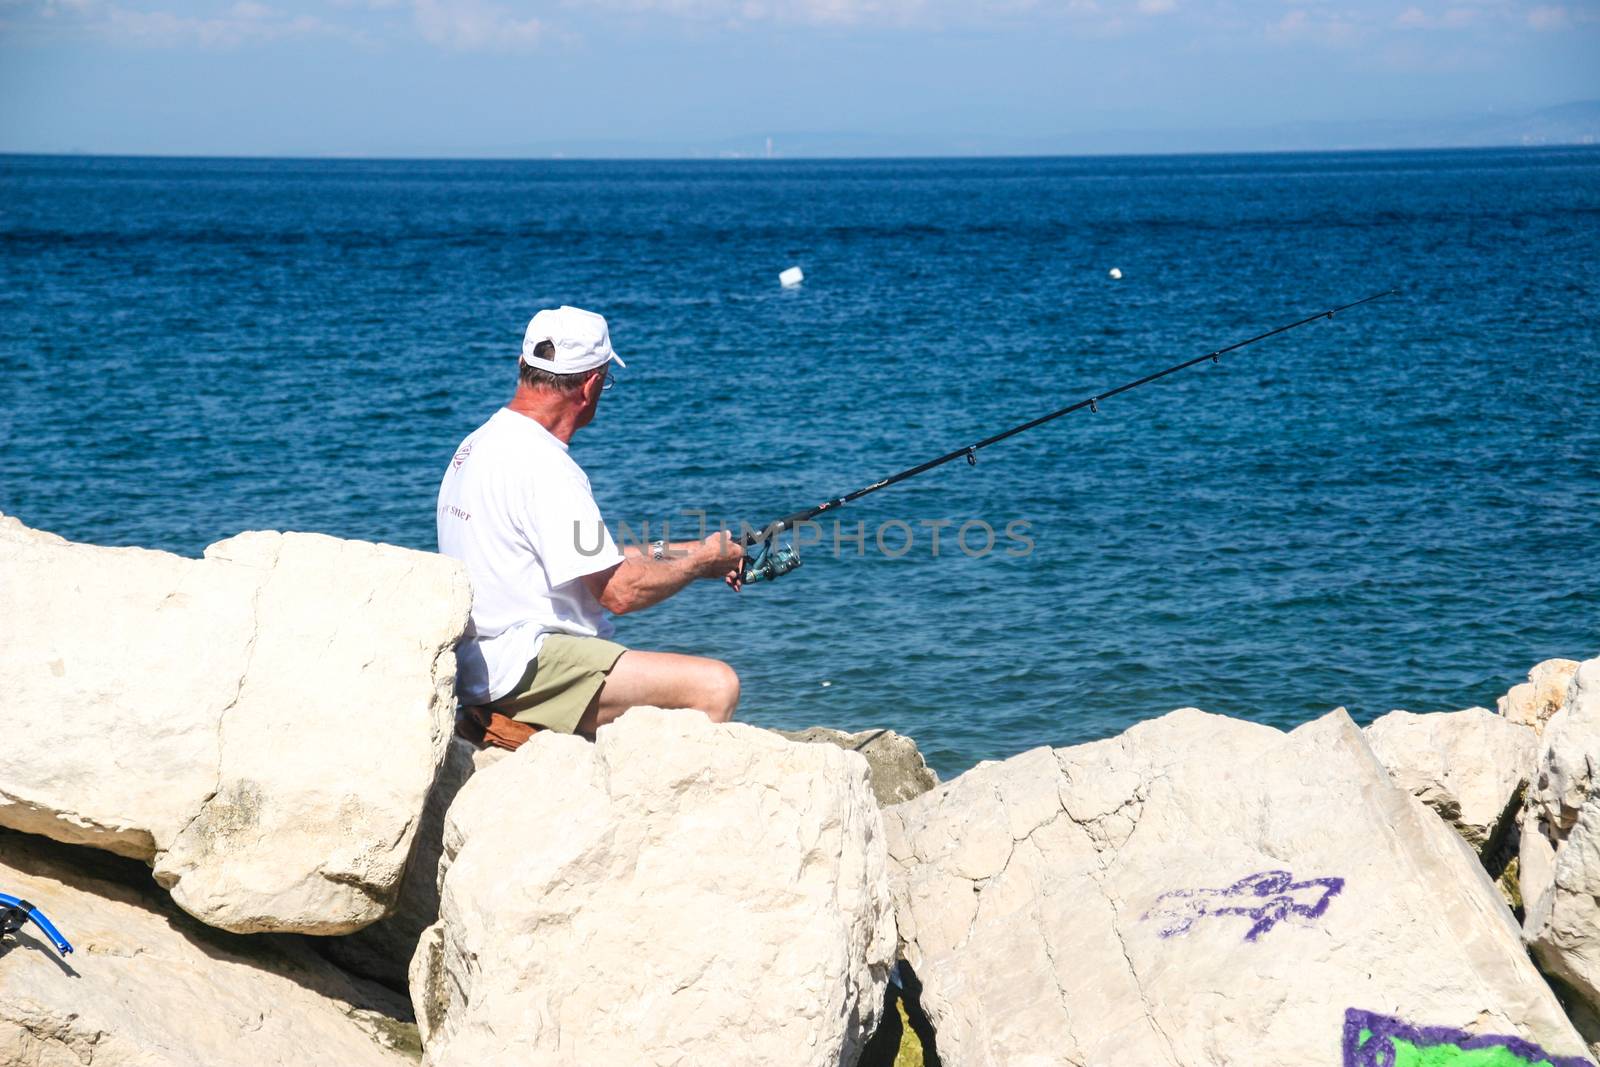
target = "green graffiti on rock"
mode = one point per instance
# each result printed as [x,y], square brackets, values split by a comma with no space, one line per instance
[1372,1040]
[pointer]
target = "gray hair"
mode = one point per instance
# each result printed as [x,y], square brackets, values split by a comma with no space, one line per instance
[534,378]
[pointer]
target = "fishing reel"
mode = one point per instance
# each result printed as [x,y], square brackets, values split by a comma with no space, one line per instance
[769,562]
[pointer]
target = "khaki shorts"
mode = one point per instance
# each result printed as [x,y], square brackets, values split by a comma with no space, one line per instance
[561,682]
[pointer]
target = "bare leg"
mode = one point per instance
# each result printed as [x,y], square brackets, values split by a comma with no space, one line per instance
[666,680]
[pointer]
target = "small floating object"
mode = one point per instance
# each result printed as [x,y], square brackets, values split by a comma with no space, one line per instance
[1115,272]
[791,277]
[826,684]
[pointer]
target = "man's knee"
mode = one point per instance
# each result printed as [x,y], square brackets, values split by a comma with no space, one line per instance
[721,691]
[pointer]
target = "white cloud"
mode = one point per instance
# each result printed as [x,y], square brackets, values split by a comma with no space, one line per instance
[245,22]
[225,31]
[820,12]
[475,26]
[1334,29]
[1549,17]
[919,13]
[1455,18]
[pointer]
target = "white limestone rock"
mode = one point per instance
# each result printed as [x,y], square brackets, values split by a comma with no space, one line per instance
[383,950]
[262,726]
[898,770]
[130,657]
[677,892]
[1560,870]
[1531,703]
[1560,784]
[1203,890]
[148,986]
[1468,766]
[1536,867]
[1567,754]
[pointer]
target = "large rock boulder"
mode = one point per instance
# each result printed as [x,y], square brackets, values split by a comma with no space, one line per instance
[261,725]
[1560,866]
[898,770]
[1203,890]
[1531,703]
[676,892]
[148,986]
[1468,766]
[383,950]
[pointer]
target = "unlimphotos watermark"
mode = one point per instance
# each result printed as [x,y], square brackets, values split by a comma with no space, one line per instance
[893,538]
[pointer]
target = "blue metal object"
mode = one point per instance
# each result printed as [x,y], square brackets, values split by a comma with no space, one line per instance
[14,911]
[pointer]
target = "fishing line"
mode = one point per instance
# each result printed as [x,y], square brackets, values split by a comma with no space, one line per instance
[774,561]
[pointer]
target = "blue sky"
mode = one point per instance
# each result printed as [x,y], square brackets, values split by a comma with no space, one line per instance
[512,77]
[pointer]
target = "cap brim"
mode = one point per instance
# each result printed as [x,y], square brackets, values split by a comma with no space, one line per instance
[555,368]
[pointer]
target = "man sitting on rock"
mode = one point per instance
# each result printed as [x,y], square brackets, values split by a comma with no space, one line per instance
[518,511]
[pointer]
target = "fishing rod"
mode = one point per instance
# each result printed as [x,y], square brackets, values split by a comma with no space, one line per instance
[773,561]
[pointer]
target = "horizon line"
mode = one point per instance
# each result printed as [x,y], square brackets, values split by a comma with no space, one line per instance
[754,158]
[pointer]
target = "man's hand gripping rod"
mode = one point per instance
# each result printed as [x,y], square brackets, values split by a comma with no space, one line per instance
[772,561]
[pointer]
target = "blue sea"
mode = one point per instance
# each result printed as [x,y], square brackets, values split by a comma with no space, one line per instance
[1398,508]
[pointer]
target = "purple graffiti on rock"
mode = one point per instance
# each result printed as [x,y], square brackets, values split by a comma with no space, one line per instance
[1266,898]
[1371,1040]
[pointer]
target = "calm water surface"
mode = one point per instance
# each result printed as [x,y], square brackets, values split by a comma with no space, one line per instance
[1394,509]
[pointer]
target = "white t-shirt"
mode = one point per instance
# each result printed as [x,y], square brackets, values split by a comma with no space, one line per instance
[518,511]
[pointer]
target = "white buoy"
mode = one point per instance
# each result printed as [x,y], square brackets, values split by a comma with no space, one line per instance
[1116,272]
[826,684]
[791,277]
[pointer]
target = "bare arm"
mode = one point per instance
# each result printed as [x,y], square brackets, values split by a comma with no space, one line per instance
[640,581]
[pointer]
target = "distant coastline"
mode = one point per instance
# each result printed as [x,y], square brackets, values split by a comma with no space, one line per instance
[1570,125]
[1085,157]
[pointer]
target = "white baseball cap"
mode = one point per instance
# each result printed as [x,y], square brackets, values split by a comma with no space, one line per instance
[581,339]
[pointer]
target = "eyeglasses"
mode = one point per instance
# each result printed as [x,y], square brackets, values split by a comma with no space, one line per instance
[609,381]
